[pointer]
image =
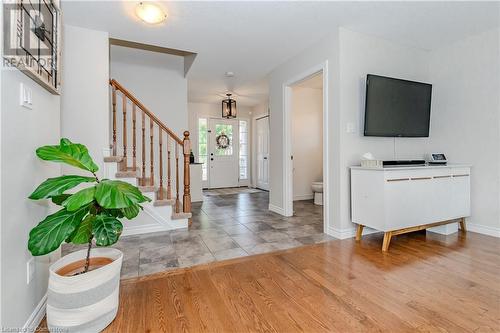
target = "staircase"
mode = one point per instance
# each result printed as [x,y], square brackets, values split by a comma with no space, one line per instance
[146,153]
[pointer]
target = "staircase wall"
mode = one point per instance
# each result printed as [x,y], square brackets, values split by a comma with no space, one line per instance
[155,79]
[85,90]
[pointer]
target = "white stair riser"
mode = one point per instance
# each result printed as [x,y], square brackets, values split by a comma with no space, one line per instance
[152,218]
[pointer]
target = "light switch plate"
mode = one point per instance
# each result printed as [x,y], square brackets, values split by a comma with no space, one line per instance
[26,96]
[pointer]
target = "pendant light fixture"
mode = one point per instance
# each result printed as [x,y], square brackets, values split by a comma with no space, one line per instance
[228,107]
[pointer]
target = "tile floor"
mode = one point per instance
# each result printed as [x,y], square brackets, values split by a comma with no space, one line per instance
[224,227]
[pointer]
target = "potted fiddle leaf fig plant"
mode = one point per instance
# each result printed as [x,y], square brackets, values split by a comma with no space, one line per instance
[84,285]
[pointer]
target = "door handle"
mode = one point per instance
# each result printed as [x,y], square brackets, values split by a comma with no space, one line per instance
[265,158]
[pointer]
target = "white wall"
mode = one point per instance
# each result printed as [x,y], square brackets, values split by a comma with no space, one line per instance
[466,118]
[85,91]
[156,80]
[360,55]
[23,131]
[307,140]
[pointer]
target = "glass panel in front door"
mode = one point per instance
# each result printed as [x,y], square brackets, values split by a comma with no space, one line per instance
[223,140]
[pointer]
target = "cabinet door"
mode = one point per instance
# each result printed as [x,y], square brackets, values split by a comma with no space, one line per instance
[404,203]
[460,194]
[440,198]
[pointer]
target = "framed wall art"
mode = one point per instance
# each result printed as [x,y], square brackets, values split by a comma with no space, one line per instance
[32,40]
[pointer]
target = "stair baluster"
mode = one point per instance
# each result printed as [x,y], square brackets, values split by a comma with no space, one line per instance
[151,154]
[177,201]
[169,177]
[143,181]
[114,120]
[160,196]
[186,200]
[134,152]
[124,135]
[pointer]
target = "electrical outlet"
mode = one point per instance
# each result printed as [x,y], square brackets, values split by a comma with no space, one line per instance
[30,270]
[26,96]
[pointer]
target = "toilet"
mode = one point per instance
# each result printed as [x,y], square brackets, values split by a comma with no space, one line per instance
[317,188]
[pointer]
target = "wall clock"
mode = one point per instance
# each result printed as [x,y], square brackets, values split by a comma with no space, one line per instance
[32,40]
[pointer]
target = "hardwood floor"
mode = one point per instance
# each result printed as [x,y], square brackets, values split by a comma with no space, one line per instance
[426,283]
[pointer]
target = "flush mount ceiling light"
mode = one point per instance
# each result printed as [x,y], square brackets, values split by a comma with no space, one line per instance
[150,13]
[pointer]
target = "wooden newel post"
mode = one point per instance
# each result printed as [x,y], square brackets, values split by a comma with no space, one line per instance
[187,192]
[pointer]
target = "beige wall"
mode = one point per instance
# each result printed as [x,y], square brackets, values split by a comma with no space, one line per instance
[307,140]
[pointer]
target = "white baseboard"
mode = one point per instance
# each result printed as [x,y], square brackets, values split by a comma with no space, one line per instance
[143,229]
[303,197]
[348,232]
[36,316]
[483,229]
[276,209]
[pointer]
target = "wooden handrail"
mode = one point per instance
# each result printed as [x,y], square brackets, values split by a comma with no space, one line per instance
[181,147]
[141,106]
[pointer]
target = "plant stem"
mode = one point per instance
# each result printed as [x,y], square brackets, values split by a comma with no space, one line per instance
[87,259]
[96,178]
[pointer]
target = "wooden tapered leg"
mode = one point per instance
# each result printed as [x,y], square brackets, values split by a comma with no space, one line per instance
[462,224]
[359,232]
[387,241]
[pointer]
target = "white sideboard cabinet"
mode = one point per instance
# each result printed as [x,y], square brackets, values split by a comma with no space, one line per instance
[397,200]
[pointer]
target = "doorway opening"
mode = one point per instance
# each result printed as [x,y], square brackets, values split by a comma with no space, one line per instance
[305,153]
[307,145]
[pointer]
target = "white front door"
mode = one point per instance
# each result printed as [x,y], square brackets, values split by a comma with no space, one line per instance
[262,131]
[224,152]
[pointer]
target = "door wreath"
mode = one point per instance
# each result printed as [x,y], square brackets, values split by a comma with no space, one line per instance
[222,141]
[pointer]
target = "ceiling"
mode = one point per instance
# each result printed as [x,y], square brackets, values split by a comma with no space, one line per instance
[252,38]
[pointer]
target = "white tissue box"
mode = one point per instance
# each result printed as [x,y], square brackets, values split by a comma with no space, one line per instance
[372,163]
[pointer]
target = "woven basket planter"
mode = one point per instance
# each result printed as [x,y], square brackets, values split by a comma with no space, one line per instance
[86,302]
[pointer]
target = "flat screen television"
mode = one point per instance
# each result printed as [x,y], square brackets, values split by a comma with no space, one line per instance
[397,108]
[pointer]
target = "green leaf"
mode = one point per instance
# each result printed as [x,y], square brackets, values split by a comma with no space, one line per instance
[59,199]
[48,235]
[118,213]
[84,232]
[118,194]
[106,230]
[79,199]
[55,186]
[131,212]
[74,154]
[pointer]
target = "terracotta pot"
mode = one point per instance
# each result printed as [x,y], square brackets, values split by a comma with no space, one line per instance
[86,302]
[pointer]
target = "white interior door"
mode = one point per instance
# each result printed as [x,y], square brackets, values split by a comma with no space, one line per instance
[224,152]
[262,132]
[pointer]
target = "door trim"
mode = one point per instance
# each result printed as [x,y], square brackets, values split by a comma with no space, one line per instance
[287,141]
